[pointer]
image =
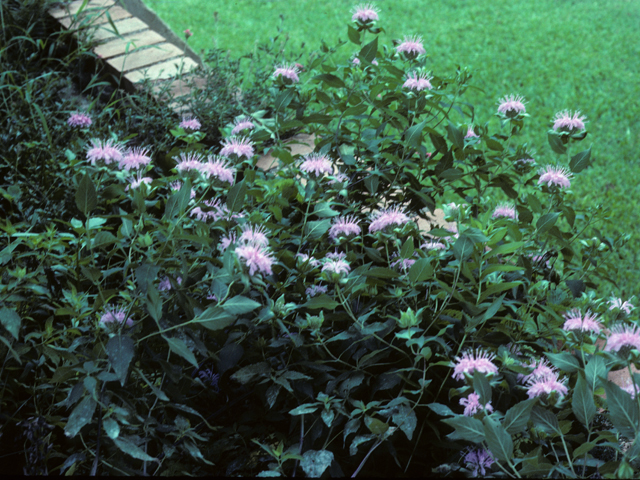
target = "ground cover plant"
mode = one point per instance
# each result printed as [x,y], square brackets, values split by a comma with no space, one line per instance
[185,312]
[557,54]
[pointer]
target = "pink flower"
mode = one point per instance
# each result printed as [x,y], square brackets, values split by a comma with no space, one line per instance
[541,368]
[433,245]
[138,180]
[258,259]
[317,164]
[241,124]
[306,259]
[617,303]
[623,336]
[505,211]
[365,13]
[107,151]
[218,210]
[254,235]
[344,225]
[336,266]
[403,264]
[471,361]
[355,61]
[511,105]
[190,123]
[387,217]
[472,405]
[187,33]
[471,133]
[238,146]
[226,241]
[555,176]
[538,259]
[575,321]
[218,168]
[339,178]
[336,255]
[480,461]
[188,162]
[314,290]
[165,284]
[289,72]
[418,82]
[79,120]
[565,122]
[135,158]
[411,46]
[374,62]
[545,384]
[115,315]
[630,389]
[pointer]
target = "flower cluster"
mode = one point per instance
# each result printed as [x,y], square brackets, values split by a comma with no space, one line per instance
[471,361]
[618,304]
[218,168]
[238,146]
[556,176]
[314,290]
[388,217]
[365,13]
[411,46]
[241,124]
[566,122]
[418,81]
[116,315]
[623,337]
[190,123]
[574,320]
[505,211]
[472,405]
[135,158]
[344,225]
[106,151]
[317,164]
[479,460]
[286,71]
[512,106]
[79,120]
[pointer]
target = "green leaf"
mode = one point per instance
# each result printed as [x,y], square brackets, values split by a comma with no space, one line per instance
[127,446]
[86,196]
[545,420]
[583,405]
[354,35]
[441,410]
[375,426]
[246,374]
[104,239]
[580,161]
[195,452]
[545,222]
[330,80]
[304,409]
[455,135]
[321,301]
[517,417]
[284,99]
[369,51]
[498,440]
[421,270]
[154,303]
[405,418]
[11,321]
[582,449]
[324,210]
[359,439]
[120,350]
[413,134]
[215,318]
[178,201]
[623,411]
[407,249]
[180,348]
[596,372]
[235,198]
[315,229]
[80,416]
[111,427]
[463,248]
[564,361]
[372,182]
[482,387]
[504,249]
[240,305]
[466,428]
[381,272]
[315,462]
[556,143]
[156,391]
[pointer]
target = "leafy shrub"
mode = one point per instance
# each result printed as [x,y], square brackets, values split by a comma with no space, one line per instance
[204,316]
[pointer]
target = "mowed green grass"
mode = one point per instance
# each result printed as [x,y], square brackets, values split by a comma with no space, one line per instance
[558,54]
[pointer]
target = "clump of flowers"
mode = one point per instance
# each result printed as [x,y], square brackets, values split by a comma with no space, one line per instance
[618,304]
[135,158]
[106,151]
[566,122]
[505,211]
[287,73]
[471,133]
[241,124]
[344,225]
[472,405]
[79,120]
[238,146]
[305,262]
[137,180]
[402,264]
[165,284]
[478,461]
[227,240]
[336,267]
[115,315]
[218,168]
[317,164]
[365,13]
[411,46]
[388,217]
[555,176]
[258,259]
[254,235]
[541,368]
[623,337]
[511,106]
[433,245]
[418,81]
[471,361]
[216,210]
[545,385]
[315,290]
[188,162]
[574,320]
[190,123]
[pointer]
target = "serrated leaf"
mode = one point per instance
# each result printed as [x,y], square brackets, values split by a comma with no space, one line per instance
[358,440]
[104,239]
[178,201]
[246,374]
[583,405]
[240,305]
[304,409]
[11,321]
[564,361]
[330,80]
[236,196]
[354,35]
[466,428]
[324,210]
[321,301]
[120,350]
[517,417]
[405,418]
[463,248]
[381,272]
[80,416]
[180,348]
[498,440]
[545,222]
[284,99]
[441,410]
[596,372]
[407,248]
[86,196]
[580,161]
[455,135]
[545,420]
[623,411]
[111,427]
[127,446]
[327,417]
[369,51]
[315,462]
[555,142]
[315,229]
[215,318]
[482,387]
[413,134]
[421,270]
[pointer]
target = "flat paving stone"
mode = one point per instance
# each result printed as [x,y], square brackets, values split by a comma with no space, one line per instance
[146,57]
[128,43]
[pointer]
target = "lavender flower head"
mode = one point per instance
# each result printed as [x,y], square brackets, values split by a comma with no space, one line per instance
[623,337]
[388,217]
[304,260]
[479,461]
[574,320]
[314,290]
[365,13]
[317,164]
[254,235]
[337,266]
[226,241]
[555,176]
[288,72]
[344,225]
[472,405]
[617,303]
[511,106]
[565,122]
[505,211]
[106,151]
[471,361]
[418,81]
[188,162]
[137,180]
[257,258]
[77,119]
[411,46]
[135,158]
[177,185]
[543,386]
[209,378]
[190,123]
[165,284]
[238,146]
[541,368]
[433,245]
[218,168]
[115,315]
[241,124]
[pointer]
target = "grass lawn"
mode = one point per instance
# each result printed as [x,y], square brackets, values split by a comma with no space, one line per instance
[559,54]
